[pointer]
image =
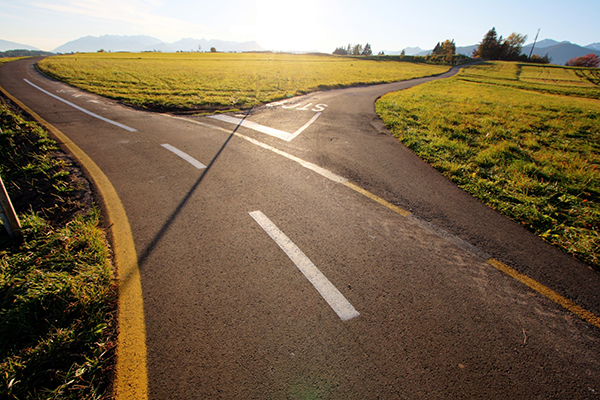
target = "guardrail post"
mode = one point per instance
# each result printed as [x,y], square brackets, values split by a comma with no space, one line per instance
[7,213]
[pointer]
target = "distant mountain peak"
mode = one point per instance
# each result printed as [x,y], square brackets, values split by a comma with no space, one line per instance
[6,45]
[138,43]
[593,46]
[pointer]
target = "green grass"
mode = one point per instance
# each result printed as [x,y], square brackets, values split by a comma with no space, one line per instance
[502,136]
[551,79]
[56,283]
[220,81]
[4,60]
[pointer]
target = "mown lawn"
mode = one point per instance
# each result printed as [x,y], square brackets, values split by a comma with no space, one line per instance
[220,81]
[57,296]
[524,139]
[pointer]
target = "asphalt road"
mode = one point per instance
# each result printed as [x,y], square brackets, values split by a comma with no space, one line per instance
[265,276]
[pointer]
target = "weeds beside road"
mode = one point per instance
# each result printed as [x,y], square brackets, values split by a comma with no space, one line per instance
[56,284]
[524,139]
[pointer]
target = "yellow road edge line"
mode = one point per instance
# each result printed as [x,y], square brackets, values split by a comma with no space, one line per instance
[531,283]
[131,377]
[549,293]
[378,199]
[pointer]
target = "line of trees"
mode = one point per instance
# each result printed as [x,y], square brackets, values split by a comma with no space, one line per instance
[494,47]
[354,50]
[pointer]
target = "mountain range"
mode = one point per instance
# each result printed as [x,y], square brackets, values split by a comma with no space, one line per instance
[6,45]
[141,43]
[559,52]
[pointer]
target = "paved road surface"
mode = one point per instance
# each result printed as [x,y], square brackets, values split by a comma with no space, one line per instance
[266,276]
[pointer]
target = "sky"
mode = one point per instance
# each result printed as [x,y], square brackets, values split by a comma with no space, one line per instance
[300,25]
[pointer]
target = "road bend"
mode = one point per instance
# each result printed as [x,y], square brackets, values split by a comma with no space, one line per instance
[298,250]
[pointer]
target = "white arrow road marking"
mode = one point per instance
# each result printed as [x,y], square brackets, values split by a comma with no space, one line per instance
[185,156]
[330,293]
[265,129]
[82,109]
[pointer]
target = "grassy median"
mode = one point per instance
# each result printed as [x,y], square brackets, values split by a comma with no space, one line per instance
[56,283]
[220,81]
[524,139]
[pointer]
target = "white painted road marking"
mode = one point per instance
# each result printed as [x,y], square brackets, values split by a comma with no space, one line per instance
[185,156]
[330,293]
[313,167]
[265,129]
[82,109]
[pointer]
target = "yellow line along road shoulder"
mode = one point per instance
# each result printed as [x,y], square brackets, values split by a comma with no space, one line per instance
[131,376]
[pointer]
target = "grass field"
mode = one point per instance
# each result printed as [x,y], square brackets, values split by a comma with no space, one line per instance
[220,81]
[56,284]
[4,60]
[524,139]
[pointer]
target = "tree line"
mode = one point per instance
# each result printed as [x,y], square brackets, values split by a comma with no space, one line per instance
[494,47]
[354,50]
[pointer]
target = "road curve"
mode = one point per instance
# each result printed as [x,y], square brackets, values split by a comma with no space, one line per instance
[249,227]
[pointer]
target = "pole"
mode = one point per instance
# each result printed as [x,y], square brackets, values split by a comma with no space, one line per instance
[534,40]
[7,213]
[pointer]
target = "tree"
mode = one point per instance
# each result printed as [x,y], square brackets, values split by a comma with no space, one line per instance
[589,60]
[340,51]
[213,50]
[357,50]
[447,48]
[493,47]
[489,47]
[512,47]
[367,50]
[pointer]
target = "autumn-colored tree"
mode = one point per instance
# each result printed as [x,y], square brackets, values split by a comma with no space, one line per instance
[493,47]
[448,47]
[512,47]
[589,60]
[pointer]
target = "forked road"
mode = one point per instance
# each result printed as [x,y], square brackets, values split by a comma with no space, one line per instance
[270,275]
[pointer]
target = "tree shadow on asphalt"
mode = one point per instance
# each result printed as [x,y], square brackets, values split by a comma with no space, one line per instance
[145,254]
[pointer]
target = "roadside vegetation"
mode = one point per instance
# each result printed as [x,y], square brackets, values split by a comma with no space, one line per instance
[56,283]
[220,81]
[523,138]
[9,59]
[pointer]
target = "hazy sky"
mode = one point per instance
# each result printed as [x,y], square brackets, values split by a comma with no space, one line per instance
[300,25]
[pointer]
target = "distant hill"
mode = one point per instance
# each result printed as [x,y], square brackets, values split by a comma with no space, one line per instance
[6,45]
[542,44]
[593,46]
[90,44]
[409,51]
[560,53]
[466,50]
